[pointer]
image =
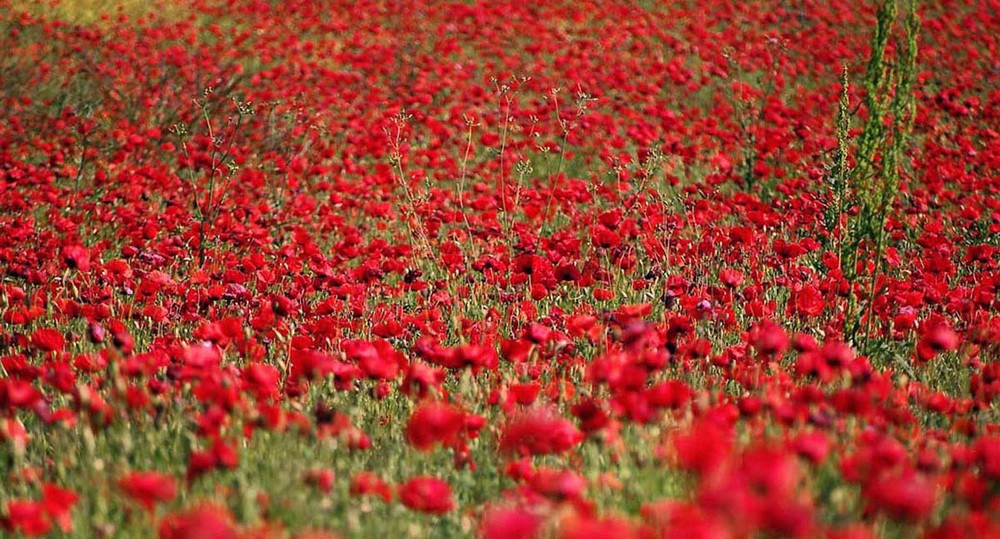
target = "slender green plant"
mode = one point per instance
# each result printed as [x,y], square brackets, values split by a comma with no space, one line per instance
[222,168]
[871,184]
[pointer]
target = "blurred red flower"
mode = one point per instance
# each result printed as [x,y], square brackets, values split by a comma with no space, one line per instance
[202,522]
[509,523]
[427,495]
[435,423]
[148,488]
[540,431]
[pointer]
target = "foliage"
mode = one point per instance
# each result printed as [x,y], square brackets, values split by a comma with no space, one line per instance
[499,269]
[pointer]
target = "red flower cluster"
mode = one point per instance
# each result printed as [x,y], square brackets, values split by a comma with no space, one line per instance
[537,269]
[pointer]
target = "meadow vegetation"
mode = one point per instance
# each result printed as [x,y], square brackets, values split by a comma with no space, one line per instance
[560,269]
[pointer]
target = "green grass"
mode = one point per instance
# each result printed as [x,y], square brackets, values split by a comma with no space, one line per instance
[88,12]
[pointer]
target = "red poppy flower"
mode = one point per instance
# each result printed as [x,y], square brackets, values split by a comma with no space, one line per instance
[76,257]
[539,432]
[57,503]
[148,488]
[509,523]
[369,484]
[427,495]
[48,340]
[435,423]
[27,517]
[202,522]
[906,496]
[703,448]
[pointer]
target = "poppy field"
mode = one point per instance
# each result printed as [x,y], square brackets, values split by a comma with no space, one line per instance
[554,270]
